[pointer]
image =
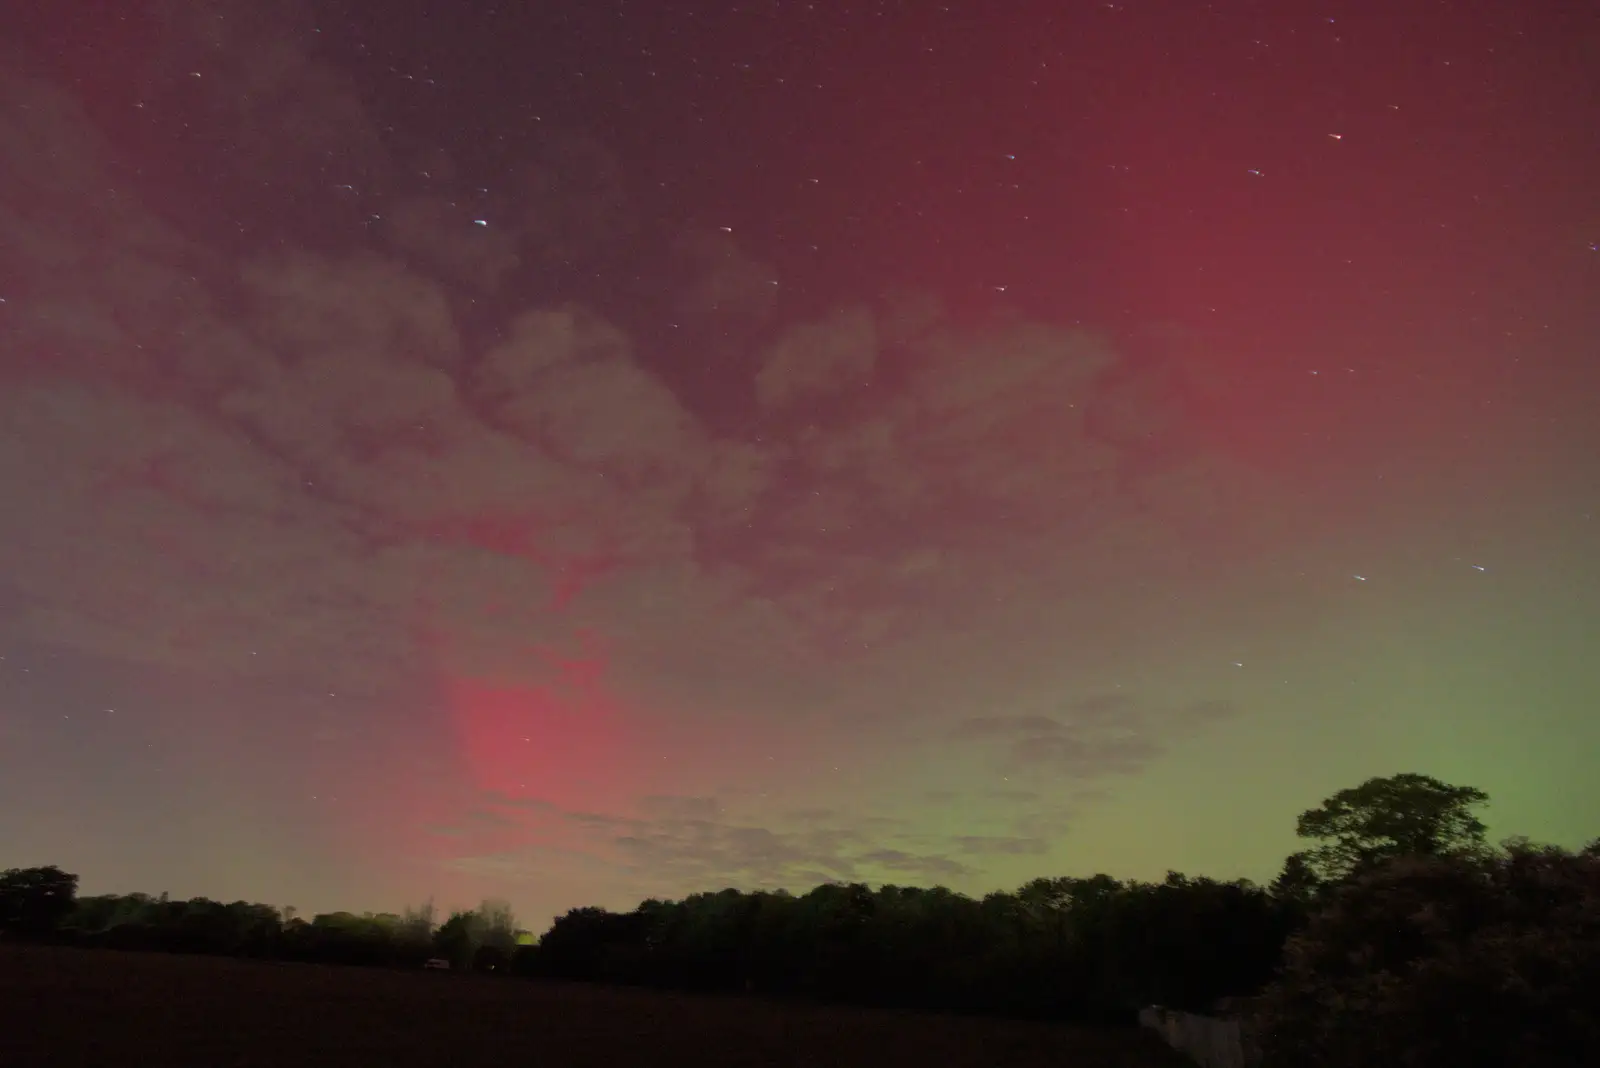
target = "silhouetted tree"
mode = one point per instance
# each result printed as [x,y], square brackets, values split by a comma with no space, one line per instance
[496,926]
[1383,818]
[34,901]
[456,940]
[1463,959]
[417,924]
[1298,881]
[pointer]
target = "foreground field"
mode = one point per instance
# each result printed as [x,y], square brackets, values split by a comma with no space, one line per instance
[62,1007]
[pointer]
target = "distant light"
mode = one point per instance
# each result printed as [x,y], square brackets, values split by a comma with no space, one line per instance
[480,222]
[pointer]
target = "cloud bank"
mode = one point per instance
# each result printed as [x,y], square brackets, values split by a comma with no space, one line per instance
[347,457]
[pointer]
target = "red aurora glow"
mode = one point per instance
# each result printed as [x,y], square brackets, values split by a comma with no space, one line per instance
[563,742]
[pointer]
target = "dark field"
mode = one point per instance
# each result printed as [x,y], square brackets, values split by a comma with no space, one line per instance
[61,1007]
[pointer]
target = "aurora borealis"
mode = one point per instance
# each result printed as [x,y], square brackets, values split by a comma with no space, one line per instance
[603,451]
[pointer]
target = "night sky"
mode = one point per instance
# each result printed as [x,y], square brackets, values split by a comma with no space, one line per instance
[581,452]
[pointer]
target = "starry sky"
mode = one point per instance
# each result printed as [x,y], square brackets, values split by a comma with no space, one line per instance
[581,452]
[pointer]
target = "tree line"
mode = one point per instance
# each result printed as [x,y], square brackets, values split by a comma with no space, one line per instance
[1398,930]
[42,904]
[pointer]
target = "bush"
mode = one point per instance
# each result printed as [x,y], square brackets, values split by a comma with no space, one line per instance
[1452,961]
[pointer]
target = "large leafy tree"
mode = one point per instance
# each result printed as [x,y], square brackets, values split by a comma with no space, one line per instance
[1488,958]
[458,938]
[34,901]
[1405,815]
